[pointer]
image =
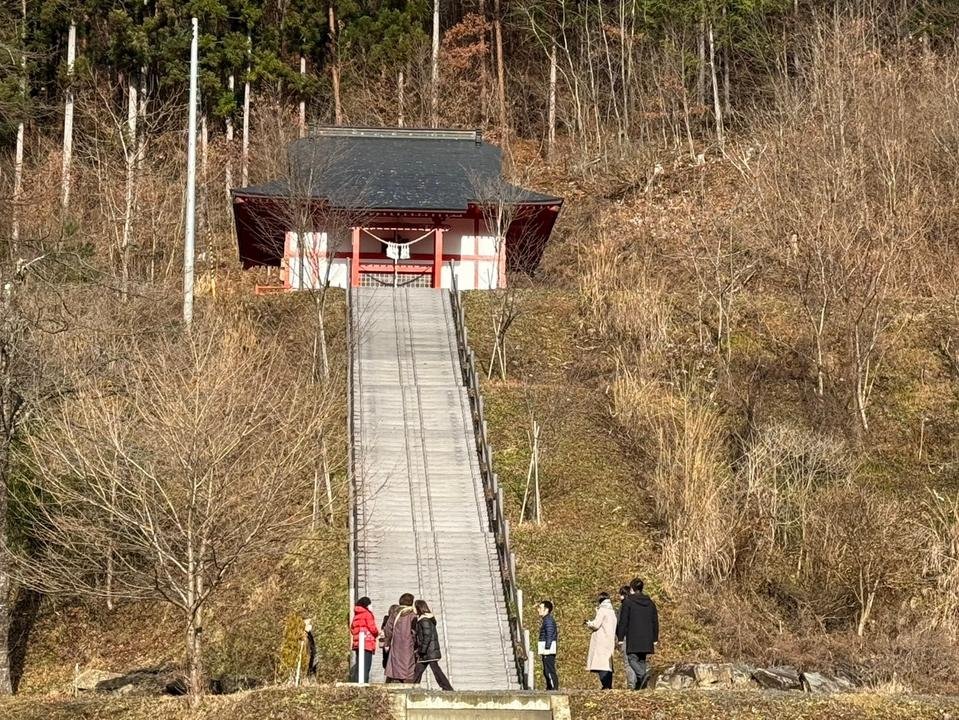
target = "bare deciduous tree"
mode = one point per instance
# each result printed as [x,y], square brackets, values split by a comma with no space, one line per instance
[173,463]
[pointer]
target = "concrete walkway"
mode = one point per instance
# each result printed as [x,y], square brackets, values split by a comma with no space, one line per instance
[422,524]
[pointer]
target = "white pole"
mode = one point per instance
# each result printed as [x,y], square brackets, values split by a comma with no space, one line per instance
[361,660]
[190,229]
[68,119]
[530,663]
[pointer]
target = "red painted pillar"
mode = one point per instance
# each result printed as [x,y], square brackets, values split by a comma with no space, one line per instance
[355,262]
[437,257]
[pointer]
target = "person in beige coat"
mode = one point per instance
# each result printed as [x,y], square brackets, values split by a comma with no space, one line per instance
[602,643]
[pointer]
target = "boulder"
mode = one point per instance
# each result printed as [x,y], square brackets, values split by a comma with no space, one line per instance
[713,675]
[782,677]
[820,683]
[742,676]
[150,681]
[674,677]
[88,680]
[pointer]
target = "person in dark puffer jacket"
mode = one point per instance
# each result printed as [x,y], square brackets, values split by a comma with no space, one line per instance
[638,629]
[428,646]
[548,636]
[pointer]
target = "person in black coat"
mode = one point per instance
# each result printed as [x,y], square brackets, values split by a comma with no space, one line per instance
[428,646]
[638,628]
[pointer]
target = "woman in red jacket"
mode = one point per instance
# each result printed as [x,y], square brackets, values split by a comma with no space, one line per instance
[363,621]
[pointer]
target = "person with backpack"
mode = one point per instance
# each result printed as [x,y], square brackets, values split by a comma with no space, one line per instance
[638,628]
[428,646]
[602,642]
[363,622]
[548,636]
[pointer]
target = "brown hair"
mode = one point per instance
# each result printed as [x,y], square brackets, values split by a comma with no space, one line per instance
[421,607]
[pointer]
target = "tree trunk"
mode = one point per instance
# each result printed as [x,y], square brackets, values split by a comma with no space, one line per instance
[68,121]
[130,152]
[435,67]
[6,683]
[205,233]
[400,116]
[717,103]
[551,137]
[335,68]
[228,170]
[500,70]
[245,152]
[21,139]
[701,71]
[484,68]
[302,125]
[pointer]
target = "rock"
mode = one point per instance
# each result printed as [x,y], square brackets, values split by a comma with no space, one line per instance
[778,678]
[820,683]
[743,675]
[713,675]
[674,677]
[88,680]
[150,681]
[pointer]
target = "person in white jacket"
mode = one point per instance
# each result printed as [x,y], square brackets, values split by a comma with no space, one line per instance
[602,643]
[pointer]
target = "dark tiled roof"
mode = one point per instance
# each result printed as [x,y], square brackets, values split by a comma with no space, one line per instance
[397,169]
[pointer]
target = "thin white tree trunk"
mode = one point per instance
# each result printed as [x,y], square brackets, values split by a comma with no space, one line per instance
[17,189]
[204,167]
[400,100]
[551,137]
[717,103]
[435,67]
[245,152]
[21,139]
[228,170]
[500,70]
[68,120]
[335,68]
[130,149]
[701,70]
[302,126]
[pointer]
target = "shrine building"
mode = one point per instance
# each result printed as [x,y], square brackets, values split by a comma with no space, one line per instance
[393,207]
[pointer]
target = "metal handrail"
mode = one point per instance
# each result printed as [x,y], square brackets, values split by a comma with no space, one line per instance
[499,523]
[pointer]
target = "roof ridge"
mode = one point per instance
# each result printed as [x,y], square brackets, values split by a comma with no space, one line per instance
[475,136]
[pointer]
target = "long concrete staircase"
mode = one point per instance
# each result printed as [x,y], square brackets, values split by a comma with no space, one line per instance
[420,521]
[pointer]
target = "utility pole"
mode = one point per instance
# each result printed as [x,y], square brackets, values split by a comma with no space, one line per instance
[190,221]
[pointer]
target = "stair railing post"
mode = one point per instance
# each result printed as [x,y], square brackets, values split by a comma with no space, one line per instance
[530,673]
[361,678]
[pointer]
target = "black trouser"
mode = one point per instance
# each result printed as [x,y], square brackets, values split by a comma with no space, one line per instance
[605,678]
[438,673]
[549,672]
[367,656]
[637,661]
